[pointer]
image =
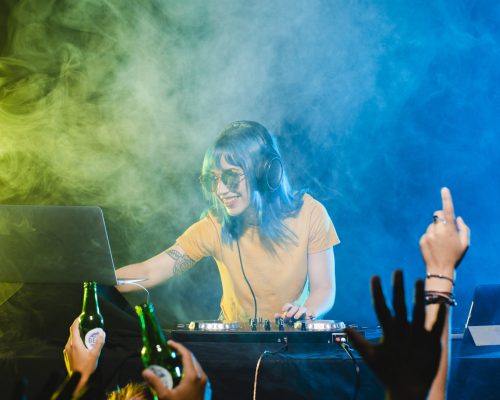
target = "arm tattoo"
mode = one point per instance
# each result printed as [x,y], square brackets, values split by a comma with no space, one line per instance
[182,261]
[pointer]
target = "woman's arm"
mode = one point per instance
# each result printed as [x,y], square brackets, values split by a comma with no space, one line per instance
[321,273]
[157,269]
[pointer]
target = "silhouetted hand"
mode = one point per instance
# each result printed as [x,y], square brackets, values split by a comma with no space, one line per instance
[193,385]
[407,357]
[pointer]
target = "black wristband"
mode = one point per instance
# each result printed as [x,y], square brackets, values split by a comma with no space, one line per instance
[439,298]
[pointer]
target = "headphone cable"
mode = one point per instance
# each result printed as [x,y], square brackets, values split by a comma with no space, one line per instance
[246,280]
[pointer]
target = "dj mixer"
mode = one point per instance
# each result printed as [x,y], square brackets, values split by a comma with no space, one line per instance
[262,331]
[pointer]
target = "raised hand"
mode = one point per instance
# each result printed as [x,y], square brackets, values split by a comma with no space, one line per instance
[443,246]
[446,240]
[407,358]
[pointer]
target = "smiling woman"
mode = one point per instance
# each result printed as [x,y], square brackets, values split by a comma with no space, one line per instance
[230,185]
[273,246]
[233,191]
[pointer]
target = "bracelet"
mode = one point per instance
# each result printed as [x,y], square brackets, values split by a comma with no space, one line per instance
[432,297]
[439,293]
[439,276]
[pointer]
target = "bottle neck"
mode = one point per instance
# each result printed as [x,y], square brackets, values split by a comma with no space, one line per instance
[90,298]
[151,331]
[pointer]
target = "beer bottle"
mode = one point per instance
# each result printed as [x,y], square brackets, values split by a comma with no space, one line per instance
[90,320]
[156,354]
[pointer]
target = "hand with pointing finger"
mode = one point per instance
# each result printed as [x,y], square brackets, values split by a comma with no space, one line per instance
[443,246]
[446,240]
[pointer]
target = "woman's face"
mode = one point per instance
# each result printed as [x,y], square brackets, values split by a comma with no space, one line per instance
[234,194]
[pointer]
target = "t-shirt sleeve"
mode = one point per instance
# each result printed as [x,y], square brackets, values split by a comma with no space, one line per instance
[322,234]
[200,239]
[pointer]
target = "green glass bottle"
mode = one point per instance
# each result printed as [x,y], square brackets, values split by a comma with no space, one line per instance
[156,354]
[90,320]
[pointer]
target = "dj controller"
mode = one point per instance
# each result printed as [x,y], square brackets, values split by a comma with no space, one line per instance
[313,355]
[259,331]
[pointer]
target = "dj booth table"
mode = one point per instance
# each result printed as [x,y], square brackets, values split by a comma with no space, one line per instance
[293,374]
[298,363]
[298,373]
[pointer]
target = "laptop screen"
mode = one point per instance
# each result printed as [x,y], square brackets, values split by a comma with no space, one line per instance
[54,244]
[482,333]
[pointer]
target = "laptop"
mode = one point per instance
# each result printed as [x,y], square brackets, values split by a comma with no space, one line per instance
[482,330]
[55,244]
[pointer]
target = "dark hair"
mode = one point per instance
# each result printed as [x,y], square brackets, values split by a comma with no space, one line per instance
[248,145]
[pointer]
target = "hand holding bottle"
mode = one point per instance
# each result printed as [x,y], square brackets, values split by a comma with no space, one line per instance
[194,381]
[78,358]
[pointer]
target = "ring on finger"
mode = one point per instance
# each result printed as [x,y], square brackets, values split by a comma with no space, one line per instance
[437,218]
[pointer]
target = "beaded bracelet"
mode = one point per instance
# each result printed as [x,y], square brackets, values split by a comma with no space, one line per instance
[440,276]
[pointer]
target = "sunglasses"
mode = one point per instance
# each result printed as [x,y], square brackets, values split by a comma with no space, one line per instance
[230,178]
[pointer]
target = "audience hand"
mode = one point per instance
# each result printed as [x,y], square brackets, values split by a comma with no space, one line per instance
[78,358]
[443,246]
[446,241]
[407,358]
[194,384]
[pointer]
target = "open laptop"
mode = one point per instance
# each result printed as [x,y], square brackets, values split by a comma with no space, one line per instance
[55,244]
[482,331]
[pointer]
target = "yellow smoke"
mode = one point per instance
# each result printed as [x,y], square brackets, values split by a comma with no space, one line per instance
[81,122]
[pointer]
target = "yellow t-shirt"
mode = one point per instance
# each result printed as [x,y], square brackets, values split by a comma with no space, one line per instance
[277,278]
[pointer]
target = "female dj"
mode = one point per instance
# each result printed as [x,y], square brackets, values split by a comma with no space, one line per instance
[273,246]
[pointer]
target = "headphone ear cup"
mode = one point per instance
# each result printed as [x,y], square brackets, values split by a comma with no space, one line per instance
[271,174]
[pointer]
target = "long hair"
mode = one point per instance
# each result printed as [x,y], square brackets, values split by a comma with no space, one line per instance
[247,144]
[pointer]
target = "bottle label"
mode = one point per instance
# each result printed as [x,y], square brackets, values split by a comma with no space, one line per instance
[91,337]
[163,374]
